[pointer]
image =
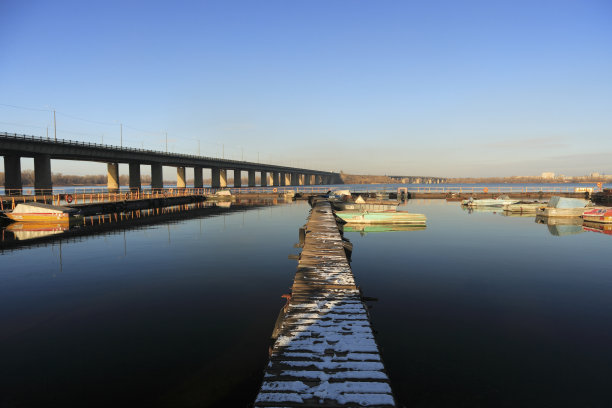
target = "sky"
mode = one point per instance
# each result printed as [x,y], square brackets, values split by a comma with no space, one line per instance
[437,88]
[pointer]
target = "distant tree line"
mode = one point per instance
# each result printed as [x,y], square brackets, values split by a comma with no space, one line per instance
[59,179]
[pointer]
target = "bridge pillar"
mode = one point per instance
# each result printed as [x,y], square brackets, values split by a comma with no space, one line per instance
[312,179]
[157,176]
[219,178]
[251,178]
[301,179]
[112,177]
[294,179]
[269,178]
[12,175]
[135,176]
[287,179]
[275,178]
[42,174]
[198,180]
[264,178]
[237,178]
[180,177]
[306,178]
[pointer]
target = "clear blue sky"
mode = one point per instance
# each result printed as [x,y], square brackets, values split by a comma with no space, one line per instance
[443,88]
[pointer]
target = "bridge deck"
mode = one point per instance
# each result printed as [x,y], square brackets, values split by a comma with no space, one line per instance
[325,353]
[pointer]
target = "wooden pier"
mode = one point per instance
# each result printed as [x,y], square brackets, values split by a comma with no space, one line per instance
[324,353]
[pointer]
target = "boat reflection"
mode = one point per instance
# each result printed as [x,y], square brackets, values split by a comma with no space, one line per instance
[366,229]
[561,227]
[597,227]
[491,210]
[20,234]
[30,230]
[517,214]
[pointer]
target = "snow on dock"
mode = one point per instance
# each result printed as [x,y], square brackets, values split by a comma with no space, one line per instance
[324,352]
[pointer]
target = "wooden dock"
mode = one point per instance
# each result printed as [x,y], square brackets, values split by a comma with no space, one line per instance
[324,353]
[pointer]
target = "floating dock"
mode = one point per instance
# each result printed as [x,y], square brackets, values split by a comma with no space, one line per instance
[324,351]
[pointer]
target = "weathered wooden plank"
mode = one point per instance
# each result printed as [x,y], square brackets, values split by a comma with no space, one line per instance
[324,352]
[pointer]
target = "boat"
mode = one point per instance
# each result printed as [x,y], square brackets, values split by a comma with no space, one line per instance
[382,217]
[524,206]
[602,215]
[221,195]
[488,202]
[338,194]
[361,204]
[39,212]
[564,207]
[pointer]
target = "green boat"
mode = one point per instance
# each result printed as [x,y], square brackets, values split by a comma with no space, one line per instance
[382,217]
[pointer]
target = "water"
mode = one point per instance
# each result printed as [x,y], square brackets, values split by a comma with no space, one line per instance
[476,310]
[445,187]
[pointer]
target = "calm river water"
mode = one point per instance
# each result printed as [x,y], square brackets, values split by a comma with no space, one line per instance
[476,310]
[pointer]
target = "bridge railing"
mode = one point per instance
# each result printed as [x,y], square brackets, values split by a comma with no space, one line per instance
[17,136]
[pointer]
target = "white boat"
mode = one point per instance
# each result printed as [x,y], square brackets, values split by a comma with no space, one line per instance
[361,204]
[488,202]
[524,207]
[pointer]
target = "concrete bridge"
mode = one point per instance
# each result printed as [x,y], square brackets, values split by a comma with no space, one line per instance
[15,146]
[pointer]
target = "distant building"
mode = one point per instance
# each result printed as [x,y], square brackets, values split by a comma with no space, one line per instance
[548,175]
[595,174]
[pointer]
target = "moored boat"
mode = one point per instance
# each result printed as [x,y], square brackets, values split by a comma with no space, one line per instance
[564,207]
[382,217]
[524,206]
[488,202]
[221,195]
[41,213]
[361,204]
[602,215]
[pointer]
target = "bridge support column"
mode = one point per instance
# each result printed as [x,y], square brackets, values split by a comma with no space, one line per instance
[112,177]
[42,175]
[251,178]
[219,178]
[180,177]
[294,179]
[157,176]
[237,178]
[12,175]
[275,181]
[135,176]
[301,179]
[306,178]
[198,180]
[287,179]
[264,178]
[269,179]
[312,179]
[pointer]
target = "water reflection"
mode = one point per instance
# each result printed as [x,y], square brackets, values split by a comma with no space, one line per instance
[176,310]
[597,227]
[365,228]
[28,233]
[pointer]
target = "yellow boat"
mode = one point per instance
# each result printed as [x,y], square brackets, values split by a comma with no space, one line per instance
[41,213]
